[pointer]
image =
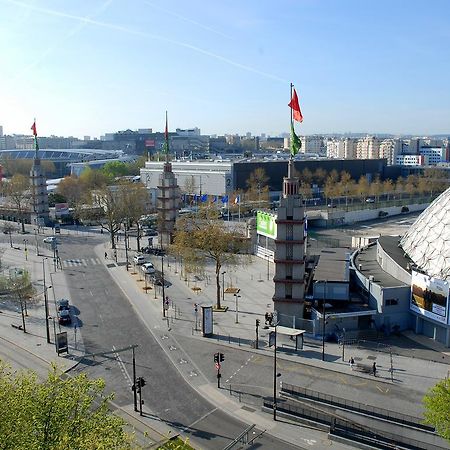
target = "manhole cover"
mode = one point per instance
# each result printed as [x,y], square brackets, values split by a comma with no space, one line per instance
[109,266]
[371,357]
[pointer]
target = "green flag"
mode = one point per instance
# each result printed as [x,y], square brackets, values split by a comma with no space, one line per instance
[296,143]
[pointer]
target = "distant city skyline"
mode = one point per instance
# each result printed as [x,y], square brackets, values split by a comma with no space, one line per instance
[90,68]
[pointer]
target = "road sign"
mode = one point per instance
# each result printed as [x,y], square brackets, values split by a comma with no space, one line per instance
[217,366]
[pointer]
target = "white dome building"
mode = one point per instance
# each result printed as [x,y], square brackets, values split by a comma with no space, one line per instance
[427,242]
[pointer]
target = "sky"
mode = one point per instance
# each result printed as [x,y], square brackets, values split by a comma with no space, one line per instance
[89,67]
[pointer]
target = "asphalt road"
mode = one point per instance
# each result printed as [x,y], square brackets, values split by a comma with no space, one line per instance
[107,321]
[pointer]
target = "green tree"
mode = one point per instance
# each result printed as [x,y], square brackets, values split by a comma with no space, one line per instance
[93,179]
[114,169]
[257,184]
[55,197]
[437,408]
[18,192]
[58,413]
[199,240]
[363,187]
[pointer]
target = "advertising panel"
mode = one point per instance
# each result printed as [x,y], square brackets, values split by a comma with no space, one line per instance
[266,225]
[149,142]
[429,296]
[61,209]
[207,321]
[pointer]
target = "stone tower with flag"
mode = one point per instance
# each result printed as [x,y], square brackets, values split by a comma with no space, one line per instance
[168,198]
[289,258]
[39,195]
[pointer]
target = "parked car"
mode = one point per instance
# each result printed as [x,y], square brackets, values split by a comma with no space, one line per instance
[146,250]
[139,259]
[50,239]
[158,251]
[331,205]
[63,304]
[158,281]
[149,232]
[64,317]
[148,268]
[370,200]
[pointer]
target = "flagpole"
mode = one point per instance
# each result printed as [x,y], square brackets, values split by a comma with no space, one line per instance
[239,203]
[291,158]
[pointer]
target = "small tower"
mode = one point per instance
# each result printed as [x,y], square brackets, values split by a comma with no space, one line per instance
[39,195]
[290,253]
[168,199]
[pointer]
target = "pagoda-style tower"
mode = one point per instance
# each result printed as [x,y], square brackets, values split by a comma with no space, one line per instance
[168,199]
[39,195]
[290,253]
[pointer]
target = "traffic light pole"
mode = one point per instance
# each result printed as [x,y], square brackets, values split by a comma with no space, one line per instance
[134,382]
[140,399]
[257,337]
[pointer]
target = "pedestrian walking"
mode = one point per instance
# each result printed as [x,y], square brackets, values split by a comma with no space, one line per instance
[351,362]
[266,318]
[374,369]
[106,255]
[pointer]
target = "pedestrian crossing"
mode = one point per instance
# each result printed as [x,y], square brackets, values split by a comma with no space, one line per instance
[84,262]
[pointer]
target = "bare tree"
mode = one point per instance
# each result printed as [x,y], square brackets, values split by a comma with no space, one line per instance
[18,192]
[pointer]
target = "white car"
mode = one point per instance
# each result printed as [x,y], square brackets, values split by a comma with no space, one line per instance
[148,268]
[139,259]
[50,239]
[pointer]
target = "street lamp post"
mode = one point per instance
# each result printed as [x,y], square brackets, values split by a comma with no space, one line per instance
[126,246]
[46,303]
[223,286]
[37,244]
[236,296]
[25,241]
[275,373]
[163,291]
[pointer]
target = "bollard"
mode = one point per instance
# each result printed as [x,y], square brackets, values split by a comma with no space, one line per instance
[239,341]
[230,389]
[229,339]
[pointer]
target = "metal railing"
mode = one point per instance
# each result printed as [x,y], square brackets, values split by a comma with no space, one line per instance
[392,416]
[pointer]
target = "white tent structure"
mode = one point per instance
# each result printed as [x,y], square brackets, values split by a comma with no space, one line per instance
[427,242]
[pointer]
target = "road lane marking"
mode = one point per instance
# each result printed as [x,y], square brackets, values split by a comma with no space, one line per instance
[199,419]
[123,369]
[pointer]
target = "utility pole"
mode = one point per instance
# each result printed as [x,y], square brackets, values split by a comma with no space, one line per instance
[163,291]
[323,330]
[275,373]
[126,246]
[47,329]
[257,336]
[134,380]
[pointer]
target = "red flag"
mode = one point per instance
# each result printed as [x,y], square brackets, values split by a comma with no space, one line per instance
[33,127]
[297,114]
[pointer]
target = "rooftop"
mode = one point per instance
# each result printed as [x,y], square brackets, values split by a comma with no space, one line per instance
[333,265]
[369,266]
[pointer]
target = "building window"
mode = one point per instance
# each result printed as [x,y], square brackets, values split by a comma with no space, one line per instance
[289,232]
[391,301]
[289,291]
[289,251]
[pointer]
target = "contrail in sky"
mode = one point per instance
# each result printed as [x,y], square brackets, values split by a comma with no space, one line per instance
[142,34]
[70,34]
[187,19]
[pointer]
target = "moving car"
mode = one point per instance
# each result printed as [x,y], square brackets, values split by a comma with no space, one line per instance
[139,259]
[63,304]
[50,239]
[370,200]
[148,268]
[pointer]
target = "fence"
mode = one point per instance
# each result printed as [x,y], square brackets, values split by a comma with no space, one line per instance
[350,405]
[349,429]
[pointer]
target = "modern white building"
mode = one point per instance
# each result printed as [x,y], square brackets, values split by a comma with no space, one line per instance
[435,154]
[194,177]
[411,160]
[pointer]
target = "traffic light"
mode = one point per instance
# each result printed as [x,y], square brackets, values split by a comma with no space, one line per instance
[257,322]
[216,357]
[221,357]
[141,382]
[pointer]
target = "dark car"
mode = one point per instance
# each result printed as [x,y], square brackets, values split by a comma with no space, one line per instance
[146,250]
[63,304]
[64,317]
[158,252]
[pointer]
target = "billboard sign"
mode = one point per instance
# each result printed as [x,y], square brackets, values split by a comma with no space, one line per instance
[429,296]
[266,224]
[61,209]
[207,321]
[150,143]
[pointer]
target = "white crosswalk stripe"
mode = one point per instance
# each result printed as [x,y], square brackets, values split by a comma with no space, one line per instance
[81,262]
